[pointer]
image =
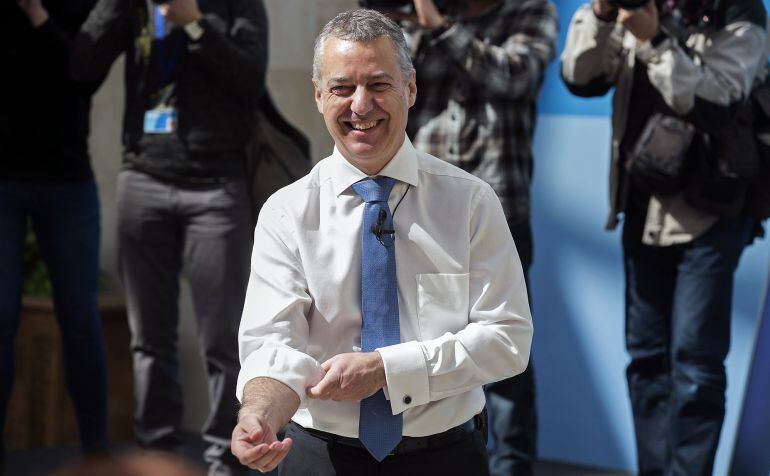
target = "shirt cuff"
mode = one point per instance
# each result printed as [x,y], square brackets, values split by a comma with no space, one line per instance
[443,28]
[455,37]
[294,369]
[406,374]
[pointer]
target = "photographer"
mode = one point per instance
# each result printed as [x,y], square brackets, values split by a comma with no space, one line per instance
[194,73]
[46,181]
[680,69]
[480,65]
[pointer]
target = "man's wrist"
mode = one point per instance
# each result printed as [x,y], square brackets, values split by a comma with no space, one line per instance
[38,17]
[442,28]
[658,38]
[610,15]
[251,409]
[382,380]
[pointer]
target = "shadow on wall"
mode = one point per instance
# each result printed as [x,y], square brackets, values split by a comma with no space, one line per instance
[578,299]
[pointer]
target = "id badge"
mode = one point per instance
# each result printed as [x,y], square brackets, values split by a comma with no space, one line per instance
[160,121]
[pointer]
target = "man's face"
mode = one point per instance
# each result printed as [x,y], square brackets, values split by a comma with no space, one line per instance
[364,99]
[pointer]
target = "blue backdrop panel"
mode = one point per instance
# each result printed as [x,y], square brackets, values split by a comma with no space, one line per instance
[752,444]
[578,298]
[578,291]
[554,97]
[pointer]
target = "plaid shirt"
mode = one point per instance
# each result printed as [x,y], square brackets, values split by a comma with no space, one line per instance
[477,85]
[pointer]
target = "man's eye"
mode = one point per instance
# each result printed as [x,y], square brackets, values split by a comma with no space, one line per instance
[342,90]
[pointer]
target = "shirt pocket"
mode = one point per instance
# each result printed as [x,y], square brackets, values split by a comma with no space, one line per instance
[442,303]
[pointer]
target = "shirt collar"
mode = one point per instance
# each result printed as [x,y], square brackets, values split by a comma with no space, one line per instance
[402,167]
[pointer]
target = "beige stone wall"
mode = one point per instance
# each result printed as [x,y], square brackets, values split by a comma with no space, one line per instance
[293,27]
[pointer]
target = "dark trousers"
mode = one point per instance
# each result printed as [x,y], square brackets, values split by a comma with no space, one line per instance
[314,456]
[511,402]
[678,302]
[65,218]
[207,229]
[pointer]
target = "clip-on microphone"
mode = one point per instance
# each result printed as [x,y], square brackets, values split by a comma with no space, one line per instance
[378,230]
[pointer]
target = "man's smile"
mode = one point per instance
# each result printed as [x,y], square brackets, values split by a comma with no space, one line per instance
[363,126]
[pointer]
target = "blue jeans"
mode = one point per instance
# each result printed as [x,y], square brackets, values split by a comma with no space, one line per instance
[65,218]
[511,402]
[678,303]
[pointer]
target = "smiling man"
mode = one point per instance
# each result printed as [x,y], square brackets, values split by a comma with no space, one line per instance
[385,288]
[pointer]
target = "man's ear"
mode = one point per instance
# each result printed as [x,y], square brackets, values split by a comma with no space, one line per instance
[318,97]
[412,88]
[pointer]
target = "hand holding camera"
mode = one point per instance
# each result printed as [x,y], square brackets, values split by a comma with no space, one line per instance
[642,22]
[428,15]
[34,10]
[605,9]
[180,12]
[640,17]
[424,13]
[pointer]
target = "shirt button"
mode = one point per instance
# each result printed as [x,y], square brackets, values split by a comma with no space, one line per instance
[407,400]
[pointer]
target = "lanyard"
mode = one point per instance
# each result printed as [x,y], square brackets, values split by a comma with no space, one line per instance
[168,46]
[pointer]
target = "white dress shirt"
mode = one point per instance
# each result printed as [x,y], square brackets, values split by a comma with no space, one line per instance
[462,301]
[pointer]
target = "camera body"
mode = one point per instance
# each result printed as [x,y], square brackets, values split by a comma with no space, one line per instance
[685,6]
[401,6]
[387,5]
[629,4]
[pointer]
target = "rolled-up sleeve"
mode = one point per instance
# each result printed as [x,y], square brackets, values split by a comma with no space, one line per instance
[273,333]
[495,343]
[592,54]
[719,78]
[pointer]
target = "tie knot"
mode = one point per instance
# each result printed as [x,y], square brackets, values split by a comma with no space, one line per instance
[374,190]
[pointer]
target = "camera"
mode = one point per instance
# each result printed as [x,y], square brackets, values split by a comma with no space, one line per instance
[400,6]
[387,5]
[629,4]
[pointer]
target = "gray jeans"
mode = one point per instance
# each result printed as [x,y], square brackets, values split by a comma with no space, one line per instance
[163,227]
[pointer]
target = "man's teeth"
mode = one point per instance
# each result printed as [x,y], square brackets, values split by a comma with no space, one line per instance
[363,126]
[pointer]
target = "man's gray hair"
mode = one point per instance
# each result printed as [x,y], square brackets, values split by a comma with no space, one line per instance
[363,26]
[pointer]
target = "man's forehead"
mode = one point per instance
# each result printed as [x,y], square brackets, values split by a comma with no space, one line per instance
[380,50]
[352,60]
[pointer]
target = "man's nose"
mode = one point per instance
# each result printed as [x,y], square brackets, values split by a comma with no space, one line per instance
[362,101]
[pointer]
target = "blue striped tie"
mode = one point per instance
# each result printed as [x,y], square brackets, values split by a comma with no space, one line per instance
[378,429]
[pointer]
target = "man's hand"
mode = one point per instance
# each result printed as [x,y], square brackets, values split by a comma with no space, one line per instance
[350,376]
[426,15]
[267,406]
[604,9]
[181,12]
[255,444]
[35,11]
[641,22]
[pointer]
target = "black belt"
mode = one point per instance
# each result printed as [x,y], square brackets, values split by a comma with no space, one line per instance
[408,444]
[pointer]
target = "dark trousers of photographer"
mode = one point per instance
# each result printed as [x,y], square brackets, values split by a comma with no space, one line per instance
[678,306]
[66,221]
[164,227]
